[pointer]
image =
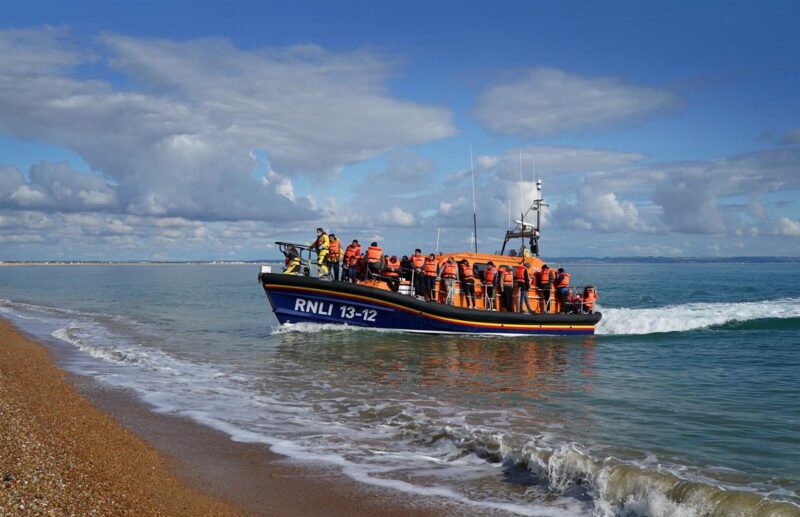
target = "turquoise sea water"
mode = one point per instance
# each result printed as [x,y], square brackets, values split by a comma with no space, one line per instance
[685,403]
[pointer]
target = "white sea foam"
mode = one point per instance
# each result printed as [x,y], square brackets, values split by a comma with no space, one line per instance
[693,316]
[415,444]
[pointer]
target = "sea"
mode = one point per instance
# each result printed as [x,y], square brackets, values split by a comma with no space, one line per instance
[686,402]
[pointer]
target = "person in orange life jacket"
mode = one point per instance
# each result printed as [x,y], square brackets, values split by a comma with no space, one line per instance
[562,287]
[374,257]
[292,261]
[360,267]
[349,262]
[449,274]
[468,283]
[334,254]
[429,271]
[392,267]
[545,283]
[589,298]
[417,265]
[524,283]
[491,277]
[391,272]
[508,288]
[405,268]
[321,246]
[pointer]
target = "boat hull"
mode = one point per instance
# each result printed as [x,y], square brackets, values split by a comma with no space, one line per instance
[297,299]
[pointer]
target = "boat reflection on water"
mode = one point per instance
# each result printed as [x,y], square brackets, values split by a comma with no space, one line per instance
[497,372]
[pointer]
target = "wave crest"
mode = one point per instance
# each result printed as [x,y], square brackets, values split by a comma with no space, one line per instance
[693,316]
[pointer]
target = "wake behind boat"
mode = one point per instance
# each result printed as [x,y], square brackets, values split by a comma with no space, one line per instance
[461,293]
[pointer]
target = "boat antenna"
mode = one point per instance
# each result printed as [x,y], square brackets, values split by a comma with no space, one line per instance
[438,232]
[521,201]
[474,205]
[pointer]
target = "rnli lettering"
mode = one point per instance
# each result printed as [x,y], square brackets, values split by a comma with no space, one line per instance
[345,312]
[313,306]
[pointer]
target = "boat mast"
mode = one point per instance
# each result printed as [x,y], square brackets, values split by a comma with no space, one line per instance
[521,203]
[474,205]
[530,231]
[537,232]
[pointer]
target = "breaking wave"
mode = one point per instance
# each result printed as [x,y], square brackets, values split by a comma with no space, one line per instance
[424,447]
[694,316]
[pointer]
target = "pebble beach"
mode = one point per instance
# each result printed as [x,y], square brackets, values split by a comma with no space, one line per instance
[59,455]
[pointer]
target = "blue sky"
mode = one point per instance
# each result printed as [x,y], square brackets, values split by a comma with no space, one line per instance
[208,130]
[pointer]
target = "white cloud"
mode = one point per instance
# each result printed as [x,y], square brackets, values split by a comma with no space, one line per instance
[396,216]
[556,160]
[487,161]
[282,185]
[703,196]
[27,196]
[179,139]
[603,212]
[541,102]
[786,227]
[55,186]
[404,171]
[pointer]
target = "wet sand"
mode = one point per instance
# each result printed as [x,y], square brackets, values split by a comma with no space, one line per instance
[69,445]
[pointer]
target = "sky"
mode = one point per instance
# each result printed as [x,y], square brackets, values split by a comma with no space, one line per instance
[208,130]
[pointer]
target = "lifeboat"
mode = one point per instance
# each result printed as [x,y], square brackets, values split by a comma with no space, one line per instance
[389,303]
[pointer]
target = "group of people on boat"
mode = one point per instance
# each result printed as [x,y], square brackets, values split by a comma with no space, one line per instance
[422,273]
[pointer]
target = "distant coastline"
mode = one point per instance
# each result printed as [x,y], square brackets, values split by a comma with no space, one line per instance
[563,260]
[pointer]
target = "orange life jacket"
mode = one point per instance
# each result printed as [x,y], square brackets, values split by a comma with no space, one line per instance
[374,254]
[466,273]
[418,261]
[546,277]
[430,268]
[392,267]
[590,298]
[351,254]
[450,270]
[490,274]
[520,273]
[334,249]
[562,280]
[508,277]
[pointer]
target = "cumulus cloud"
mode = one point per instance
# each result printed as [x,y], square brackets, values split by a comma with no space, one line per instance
[178,140]
[608,192]
[404,170]
[55,186]
[602,212]
[108,236]
[542,102]
[551,161]
[700,196]
[396,216]
[786,227]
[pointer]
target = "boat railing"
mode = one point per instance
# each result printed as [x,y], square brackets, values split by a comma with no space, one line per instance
[575,304]
[406,284]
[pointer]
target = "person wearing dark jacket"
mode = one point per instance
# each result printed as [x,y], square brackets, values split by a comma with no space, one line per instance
[524,284]
[562,288]
[491,277]
[508,288]
[405,268]
[545,282]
